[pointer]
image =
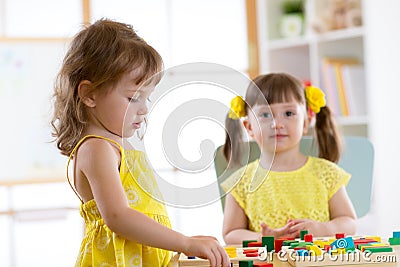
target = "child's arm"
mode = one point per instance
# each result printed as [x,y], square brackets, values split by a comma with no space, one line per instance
[99,162]
[234,229]
[342,215]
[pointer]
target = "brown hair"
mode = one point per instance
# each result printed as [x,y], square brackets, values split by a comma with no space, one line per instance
[278,88]
[100,53]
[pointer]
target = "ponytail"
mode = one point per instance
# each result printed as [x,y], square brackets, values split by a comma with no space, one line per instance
[233,146]
[329,143]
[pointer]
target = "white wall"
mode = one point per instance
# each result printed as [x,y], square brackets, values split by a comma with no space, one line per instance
[383,73]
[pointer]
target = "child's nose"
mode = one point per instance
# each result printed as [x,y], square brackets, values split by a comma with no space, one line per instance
[276,124]
[143,110]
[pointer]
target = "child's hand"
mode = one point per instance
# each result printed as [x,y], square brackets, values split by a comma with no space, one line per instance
[285,231]
[207,247]
[313,227]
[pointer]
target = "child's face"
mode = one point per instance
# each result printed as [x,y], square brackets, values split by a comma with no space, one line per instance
[122,110]
[282,124]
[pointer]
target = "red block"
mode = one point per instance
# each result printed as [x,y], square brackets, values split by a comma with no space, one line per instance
[279,241]
[340,235]
[254,244]
[263,264]
[308,238]
[363,241]
[252,254]
[249,251]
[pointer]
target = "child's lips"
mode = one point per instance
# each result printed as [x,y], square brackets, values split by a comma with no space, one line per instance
[279,136]
[137,124]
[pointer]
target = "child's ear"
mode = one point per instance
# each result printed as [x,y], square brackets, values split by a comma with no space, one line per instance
[86,94]
[249,129]
[310,116]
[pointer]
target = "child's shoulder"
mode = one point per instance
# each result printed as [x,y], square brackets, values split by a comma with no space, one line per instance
[241,175]
[320,165]
[92,146]
[322,162]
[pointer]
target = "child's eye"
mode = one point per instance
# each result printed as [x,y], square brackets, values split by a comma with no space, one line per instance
[266,115]
[133,99]
[289,113]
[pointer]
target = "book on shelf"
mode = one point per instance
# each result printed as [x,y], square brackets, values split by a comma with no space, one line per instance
[344,86]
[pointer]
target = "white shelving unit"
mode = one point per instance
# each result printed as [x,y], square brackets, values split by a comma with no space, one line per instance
[302,56]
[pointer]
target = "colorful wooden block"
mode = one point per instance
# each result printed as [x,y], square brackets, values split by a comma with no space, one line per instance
[289,242]
[346,242]
[379,249]
[308,238]
[246,242]
[263,264]
[394,241]
[254,244]
[231,251]
[376,238]
[279,242]
[268,241]
[245,263]
[301,244]
[340,235]
[302,233]
[314,250]
[321,243]
[302,252]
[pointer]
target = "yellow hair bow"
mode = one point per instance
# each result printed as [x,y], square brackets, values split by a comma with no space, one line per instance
[315,98]
[238,108]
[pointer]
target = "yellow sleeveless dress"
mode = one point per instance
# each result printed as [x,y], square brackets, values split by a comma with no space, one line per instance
[103,248]
[298,194]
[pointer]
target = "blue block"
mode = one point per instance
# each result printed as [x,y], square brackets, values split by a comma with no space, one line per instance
[346,242]
[396,234]
[302,252]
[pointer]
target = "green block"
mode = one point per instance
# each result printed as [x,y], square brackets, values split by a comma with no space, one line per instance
[302,233]
[394,241]
[269,242]
[245,263]
[245,243]
[289,242]
[378,249]
[301,244]
[360,246]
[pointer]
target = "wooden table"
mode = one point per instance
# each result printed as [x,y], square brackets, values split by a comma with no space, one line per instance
[180,260]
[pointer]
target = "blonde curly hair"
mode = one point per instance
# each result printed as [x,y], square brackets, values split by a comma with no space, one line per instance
[100,53]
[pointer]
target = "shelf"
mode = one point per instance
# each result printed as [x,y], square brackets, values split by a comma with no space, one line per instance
[331,36]
[288,43]
[349,33]
[304,57]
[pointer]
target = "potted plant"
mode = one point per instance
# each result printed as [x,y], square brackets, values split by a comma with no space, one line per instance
[292,19]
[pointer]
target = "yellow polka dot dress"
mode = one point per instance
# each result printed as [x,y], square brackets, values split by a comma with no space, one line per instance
[275,197]
[103,248]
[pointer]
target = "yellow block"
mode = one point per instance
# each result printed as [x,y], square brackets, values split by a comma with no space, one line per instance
[376,238]
[231,251]
[338,251]
[321,243]
[317,251]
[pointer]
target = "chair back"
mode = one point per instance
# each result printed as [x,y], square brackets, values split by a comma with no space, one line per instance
[357,159]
